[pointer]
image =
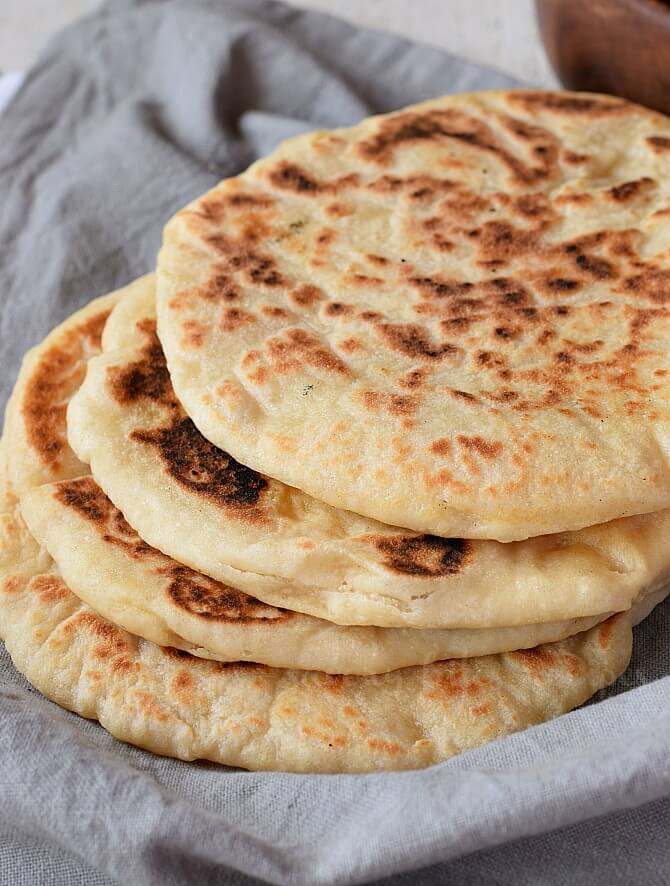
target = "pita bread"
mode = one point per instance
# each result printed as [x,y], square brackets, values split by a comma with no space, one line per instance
[107,565]
[452,318]
[37,447]
[256,717]
[279,545]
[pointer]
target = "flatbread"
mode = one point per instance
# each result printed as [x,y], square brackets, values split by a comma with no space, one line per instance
[195,503]
[107,565]
[171,703]
[140,589]
[453,318]
[37,450]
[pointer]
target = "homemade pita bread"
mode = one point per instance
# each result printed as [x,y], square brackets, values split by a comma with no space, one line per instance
[145,592]
[37,450]
[107,565]
[452,318]
[124,579]
[247,715]
[198,505]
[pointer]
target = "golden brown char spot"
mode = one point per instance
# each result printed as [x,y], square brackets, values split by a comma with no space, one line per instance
[605,632]
[452,682]
[239,255]
[417,187]
[402,405]
[573,158]
[150,706]
[462,206]
[439,287]
[507,333]
[482,709]
[486,448]
[536,660]
[338,309]
[575,666]
[490,360]
[627,190]
[503,396]
[579,198]
[202,596]
[652,284]
[391,748]
[599,268]
[441,446]
[181,683]
[395,404]
[332,683]
[462,395]
[325,237]
[86,498]
[12,584]
[338,210]
[292,177]
[306,295]
[273,312]
[201,468]
[59,372]
[194,333]
[146,378]
[453,125]
[567,104]
[424,556]
[412,340]
[498,242]
[350,345]
[295,348]
[217,288]
[533,206]
[113,638]
[442,244]
[553,283]
[413,379]
[51,588]
[361,280]
[233,319]
[212,209]
[659,143]
[377,260]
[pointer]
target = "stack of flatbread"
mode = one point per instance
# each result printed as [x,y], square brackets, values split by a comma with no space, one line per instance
[375,467]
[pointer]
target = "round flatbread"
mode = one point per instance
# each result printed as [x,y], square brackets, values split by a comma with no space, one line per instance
[107,565]
[256,717]
[198,505]
[111,568]
[453,318]
[37,449]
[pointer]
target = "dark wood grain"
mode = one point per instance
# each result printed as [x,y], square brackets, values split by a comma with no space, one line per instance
[616,46]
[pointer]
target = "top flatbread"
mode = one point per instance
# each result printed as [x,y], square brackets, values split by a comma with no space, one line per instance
[195,503]
[452,318]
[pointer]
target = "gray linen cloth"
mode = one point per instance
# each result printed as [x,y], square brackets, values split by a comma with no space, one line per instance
[127,116]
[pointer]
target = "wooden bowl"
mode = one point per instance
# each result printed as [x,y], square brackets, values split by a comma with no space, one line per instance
[617,46]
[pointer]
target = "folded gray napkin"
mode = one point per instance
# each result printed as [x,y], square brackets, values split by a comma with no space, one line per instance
[126,117]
